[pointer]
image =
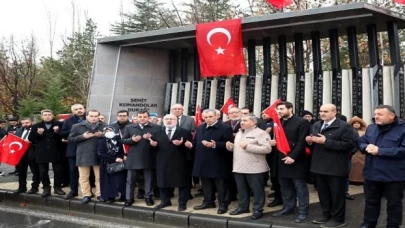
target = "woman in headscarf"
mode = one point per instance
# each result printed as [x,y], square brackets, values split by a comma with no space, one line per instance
[110,151]
[358,159]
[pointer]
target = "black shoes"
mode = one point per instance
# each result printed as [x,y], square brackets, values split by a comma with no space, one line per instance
[46,192]
[163,205]
[15,172]
[239,211]
[275,203]
[321,220]
[140,193]
[71,195]
[182,207]
[101,199]
[110,200]
[205,206]
[349,197]
[149,201]
[301,218]
[19,191]
[222,210]
[128,203]
[59,191]
[333,224]
[283,213]
[256,215]
[33,191]
[86,200]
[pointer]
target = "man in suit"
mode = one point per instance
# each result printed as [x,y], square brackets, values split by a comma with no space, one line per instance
[185,122]
[141,156]
[211,160]
[171,162]
[292,168]
[78,116]
[28,160]
[86,135]
[332,141]
[48,143]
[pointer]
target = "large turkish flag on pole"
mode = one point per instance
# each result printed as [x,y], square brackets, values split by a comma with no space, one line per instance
[12,148]
[220,48]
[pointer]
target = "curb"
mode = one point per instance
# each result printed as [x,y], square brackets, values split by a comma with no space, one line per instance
[134,213]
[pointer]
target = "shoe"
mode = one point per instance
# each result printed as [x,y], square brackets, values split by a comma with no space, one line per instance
[321,220]
[149,201]
[110,200]
[239,211]
[59,191]
[33,191]
[14,172]
[2,173]
[140,193]
[199,194]
[190,197]
[333,224]
[349,197]
[301,218]
[256,215]
[71,195]
[101,199]
[86,200]
[222,210]
[128,203]
[275,203]
[19,191]
[205,206]
[163,205]
[46,192]
[121,199]
[364,225]
[182,208]
[271,195]
[283,213]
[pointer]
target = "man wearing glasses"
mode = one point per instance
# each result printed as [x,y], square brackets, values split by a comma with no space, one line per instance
[185,122]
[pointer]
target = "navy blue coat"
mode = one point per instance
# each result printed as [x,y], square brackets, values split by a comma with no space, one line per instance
[212,162]
[65,131]
[389,164]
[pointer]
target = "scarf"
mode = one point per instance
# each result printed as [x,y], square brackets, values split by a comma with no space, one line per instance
[112,146]
[93,127]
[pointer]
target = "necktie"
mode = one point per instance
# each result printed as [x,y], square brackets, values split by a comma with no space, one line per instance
[178,121]
[169,133]
[324,126]
[26,132]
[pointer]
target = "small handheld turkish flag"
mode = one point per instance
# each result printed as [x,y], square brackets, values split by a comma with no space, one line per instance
[228,105]
[198,116]
[279,4]
[125,146]
[220,48]
[12,149]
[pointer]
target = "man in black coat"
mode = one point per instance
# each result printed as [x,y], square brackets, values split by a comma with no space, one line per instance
[47,140]
[3,131]
[77,117]
[331,140]
[141,157]
[292,169]
[171,162]
[12,128]
[211,160]
[28,160]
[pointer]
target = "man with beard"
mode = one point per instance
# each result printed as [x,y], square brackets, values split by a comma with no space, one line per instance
[3,131]
[211,160]
[332,141]
[28,160]
[78,116]
[47,140]
[292,168]
[171,162]
[13,126]
[141,156]
[86,135]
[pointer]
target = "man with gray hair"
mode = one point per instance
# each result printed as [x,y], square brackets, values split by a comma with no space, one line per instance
[211,160]
[249,163]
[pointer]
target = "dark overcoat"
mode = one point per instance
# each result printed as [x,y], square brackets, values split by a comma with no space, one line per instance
[48,146]
[332,157]
[296,129]
[172,160]
[212,162]
[66,128]
[140,154]
[31,149]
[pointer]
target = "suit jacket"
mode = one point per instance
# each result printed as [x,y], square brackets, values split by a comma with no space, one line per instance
[31,149]
[3,133]
[140,155]
[187,122]
[48,145]
[65,131]
[171,160]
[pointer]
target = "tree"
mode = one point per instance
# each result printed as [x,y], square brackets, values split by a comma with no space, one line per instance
[28,107]
[201,11]
[53,96]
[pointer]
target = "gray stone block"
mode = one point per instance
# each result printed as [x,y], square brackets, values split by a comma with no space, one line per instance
[3,194]
[109,210]
[203,221]
[57,202]
[10,197]
[36,200]
[172,218]
[76,205]
[138,214]
[241,223]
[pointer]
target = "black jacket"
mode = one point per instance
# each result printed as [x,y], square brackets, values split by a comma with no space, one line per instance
[332,158]
[31,149]
[65,131]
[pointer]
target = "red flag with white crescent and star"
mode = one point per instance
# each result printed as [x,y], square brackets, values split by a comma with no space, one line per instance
[228,105]
[279,4]
[12,148]
[220,48]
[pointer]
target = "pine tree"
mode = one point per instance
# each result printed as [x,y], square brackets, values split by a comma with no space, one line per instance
[53,96]
[28,107]
[200,11]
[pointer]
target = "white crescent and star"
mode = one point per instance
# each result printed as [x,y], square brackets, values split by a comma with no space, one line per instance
[15,143]
[213,31]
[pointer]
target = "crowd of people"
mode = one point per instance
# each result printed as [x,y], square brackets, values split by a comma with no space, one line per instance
[230,160]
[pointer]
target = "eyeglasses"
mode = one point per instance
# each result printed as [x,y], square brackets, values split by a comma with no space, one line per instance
[122,115]
[233,112]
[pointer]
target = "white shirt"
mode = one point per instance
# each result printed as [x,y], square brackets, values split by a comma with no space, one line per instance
[328,123]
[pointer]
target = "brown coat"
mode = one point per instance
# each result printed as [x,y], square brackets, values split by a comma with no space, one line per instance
[358,159]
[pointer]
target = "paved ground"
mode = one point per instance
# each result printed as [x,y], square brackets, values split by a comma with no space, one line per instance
[354,209]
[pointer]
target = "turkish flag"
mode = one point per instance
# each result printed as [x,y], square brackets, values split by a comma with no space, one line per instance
[228,105]
[12,148]
[220,48]
[399,1]
[125,146]
[198,116]
[279,134]
[279,4]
